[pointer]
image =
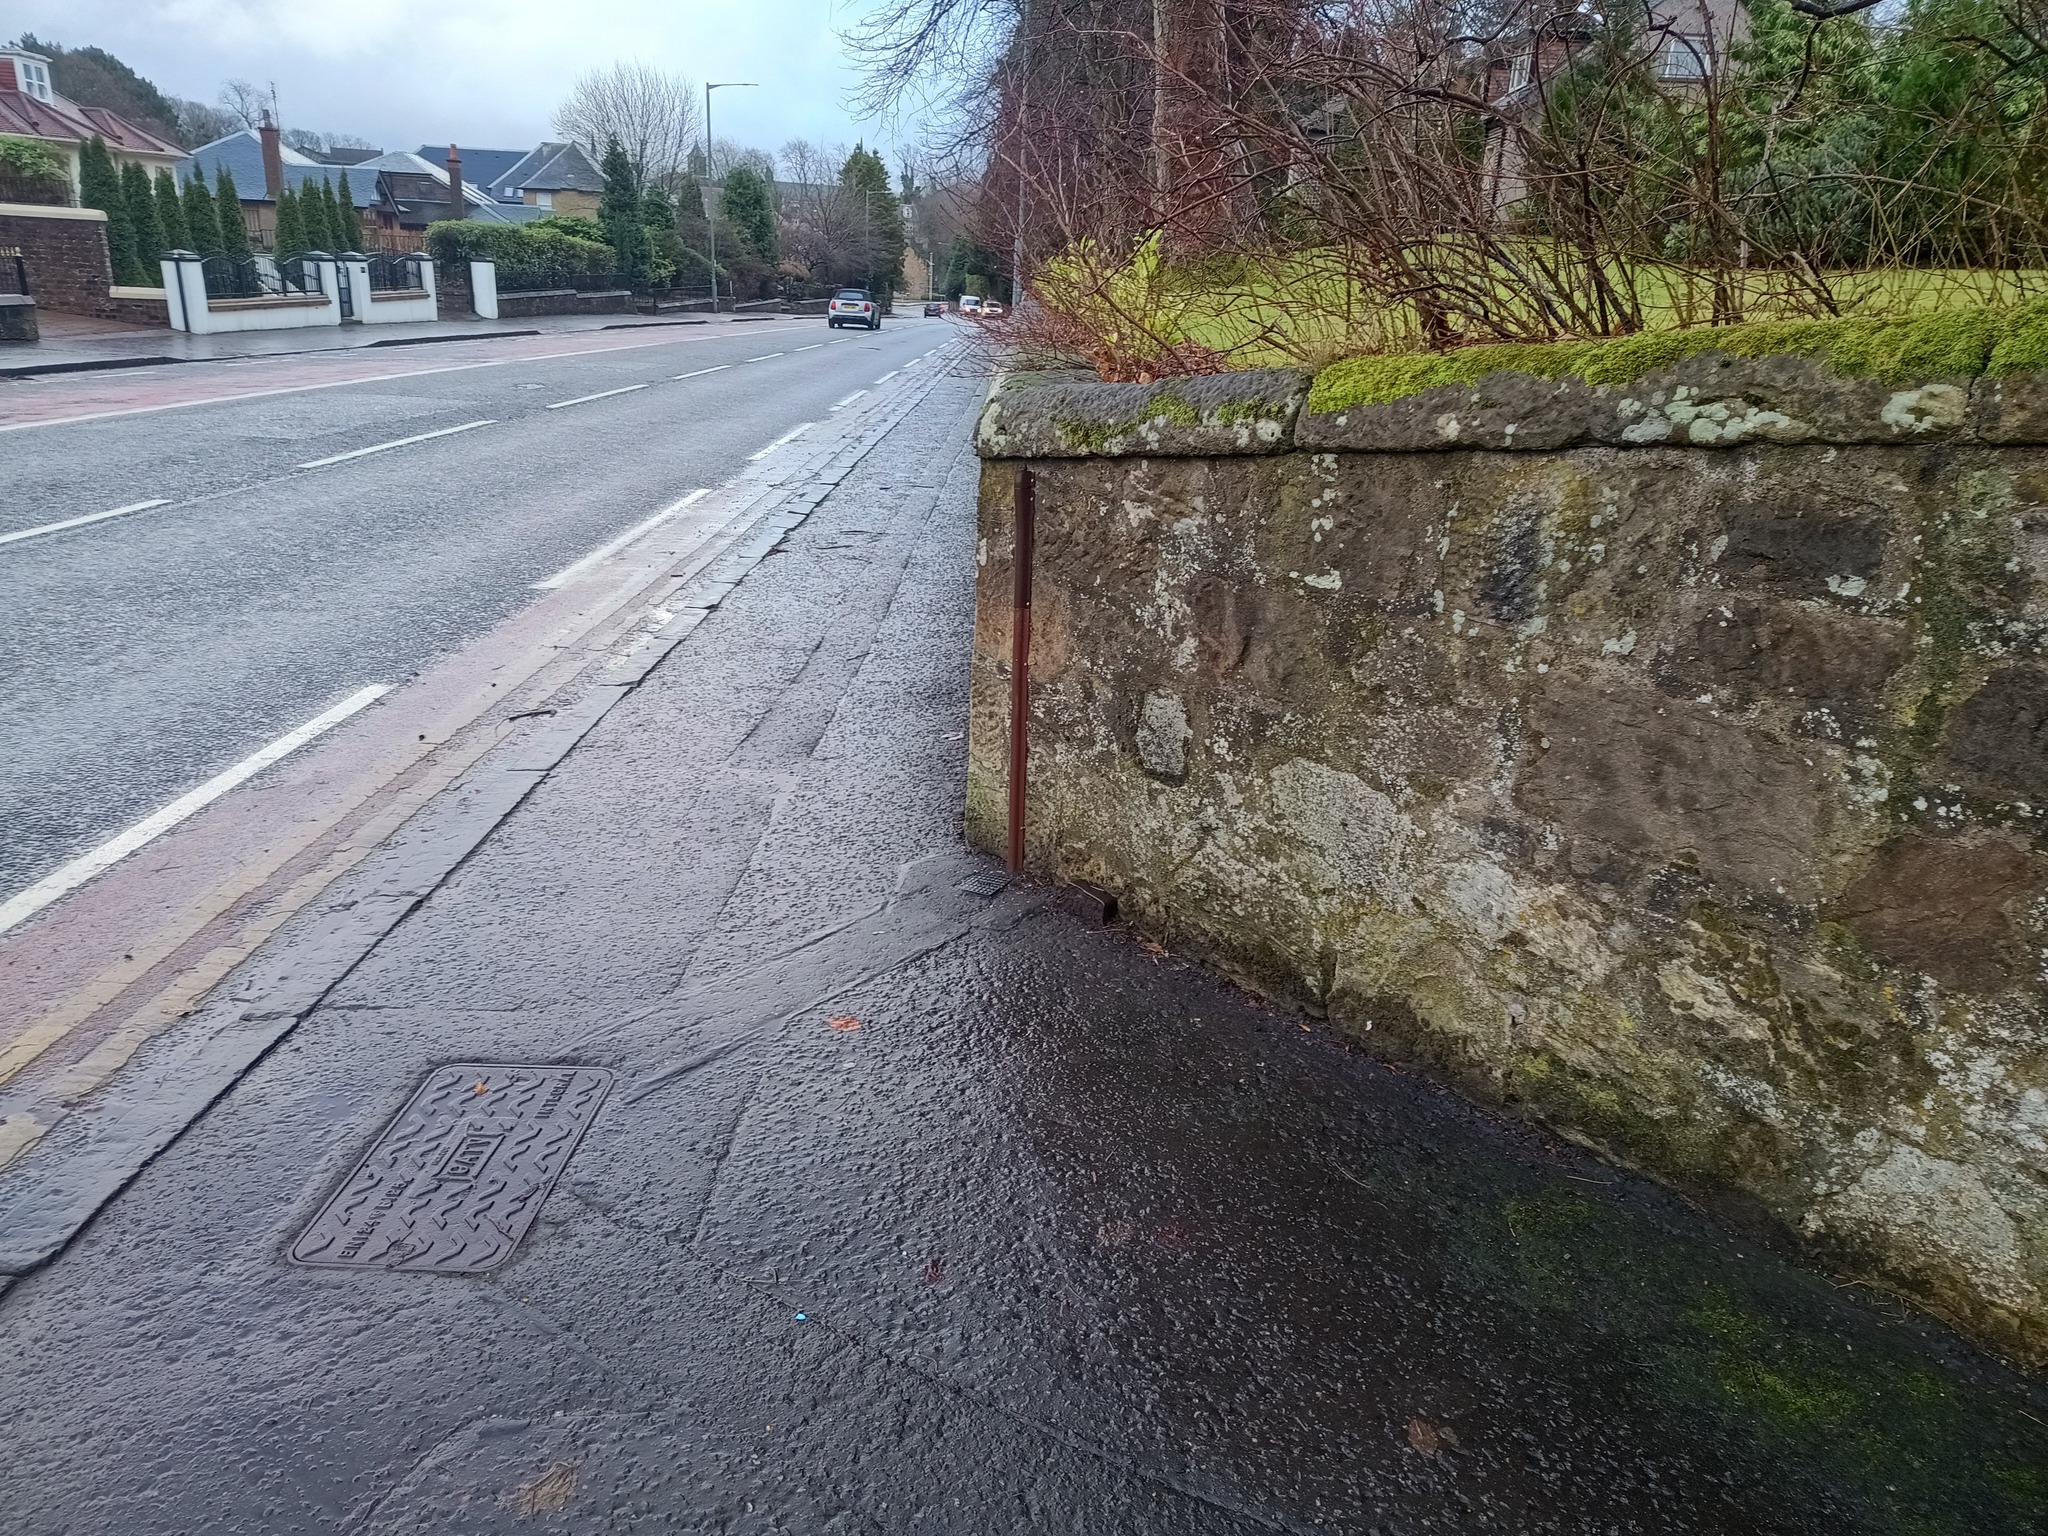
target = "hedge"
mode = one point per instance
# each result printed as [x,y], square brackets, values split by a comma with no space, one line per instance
[517,249]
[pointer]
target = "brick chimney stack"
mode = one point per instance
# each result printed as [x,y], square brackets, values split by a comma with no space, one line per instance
[458,207]
[273,159]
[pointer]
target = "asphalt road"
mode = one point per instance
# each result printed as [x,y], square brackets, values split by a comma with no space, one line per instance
[144,653]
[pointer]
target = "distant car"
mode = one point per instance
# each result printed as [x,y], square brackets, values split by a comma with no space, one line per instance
[990,309]
[934,308]
[852,306]
[970,303]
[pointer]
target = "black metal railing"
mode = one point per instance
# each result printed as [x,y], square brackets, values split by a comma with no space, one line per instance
[259,277]
[13,270]
[393,272]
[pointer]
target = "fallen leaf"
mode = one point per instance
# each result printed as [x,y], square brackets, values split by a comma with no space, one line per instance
[481,1088]
[549,1493]
[843,1022]
[1430,1438]
[934,1273]
[1151,948]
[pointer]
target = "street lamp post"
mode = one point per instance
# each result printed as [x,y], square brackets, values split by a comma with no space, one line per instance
[711,213]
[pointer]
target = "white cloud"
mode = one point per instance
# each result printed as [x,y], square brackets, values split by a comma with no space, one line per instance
[487,73]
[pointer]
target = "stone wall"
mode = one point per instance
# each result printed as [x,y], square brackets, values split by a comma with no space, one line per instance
[69,269]
[1666,761]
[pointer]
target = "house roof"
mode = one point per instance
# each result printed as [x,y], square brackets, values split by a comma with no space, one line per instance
[64,121]
[485,168]
[553,168]
[242,154]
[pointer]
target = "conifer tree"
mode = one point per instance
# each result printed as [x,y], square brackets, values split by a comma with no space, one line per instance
[337,238]
[201,222]
[290,239]
[149,236]
[748,208]
[99,186]
[619,215]
[170,213]
[234,227]
[351,221]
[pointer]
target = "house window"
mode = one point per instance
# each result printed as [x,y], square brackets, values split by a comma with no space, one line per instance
[1685,57]
[544,199]
[1518,72]
[35,78]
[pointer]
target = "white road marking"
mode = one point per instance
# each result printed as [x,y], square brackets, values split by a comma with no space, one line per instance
[849,399]
[811,348]
[602,394]
[403,442]
[885,378]
[764,357]
[79,522]
[790,436]
[83,868]
[300,389]
[610,547]
[700,372]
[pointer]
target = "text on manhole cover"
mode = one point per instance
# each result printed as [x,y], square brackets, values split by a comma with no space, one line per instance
[460,1173]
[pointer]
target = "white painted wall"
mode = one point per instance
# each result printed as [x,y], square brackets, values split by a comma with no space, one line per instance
[483,287]
[412,306]
[210,319]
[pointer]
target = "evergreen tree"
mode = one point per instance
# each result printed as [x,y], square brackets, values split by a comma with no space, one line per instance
[149,237]
[747,206]
[619,215]
[234,227]
[202,224]
[290,239]
[866,178]
[351,221]
[170,213]
[99,186]
[333,242]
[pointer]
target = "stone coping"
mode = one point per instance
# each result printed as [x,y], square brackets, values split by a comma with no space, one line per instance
[1707,401]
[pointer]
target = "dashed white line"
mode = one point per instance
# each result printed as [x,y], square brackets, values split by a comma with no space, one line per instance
[790,436]
[698,373]
[811,348]
[18,908]
[602,394]
[841,405]
[403,442]
[79,522]
[764,357]
[610,547]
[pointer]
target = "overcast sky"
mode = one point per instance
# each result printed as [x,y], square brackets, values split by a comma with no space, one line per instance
[486,73]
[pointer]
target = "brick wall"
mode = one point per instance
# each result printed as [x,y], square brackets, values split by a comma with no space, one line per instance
[68,266]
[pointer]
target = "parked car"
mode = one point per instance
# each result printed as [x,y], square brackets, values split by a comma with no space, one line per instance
[852,306]
[933,308]
[970,303]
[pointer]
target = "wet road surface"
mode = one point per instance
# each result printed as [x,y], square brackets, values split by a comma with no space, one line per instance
[147,652]
[918,1210]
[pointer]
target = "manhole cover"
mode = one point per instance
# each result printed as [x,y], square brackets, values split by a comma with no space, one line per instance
[983,883]
[460,1173]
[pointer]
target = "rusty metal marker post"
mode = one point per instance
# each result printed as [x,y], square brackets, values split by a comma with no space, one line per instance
[1020,656]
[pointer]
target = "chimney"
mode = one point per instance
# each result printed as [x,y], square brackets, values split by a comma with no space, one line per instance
[273,159]
[458,207]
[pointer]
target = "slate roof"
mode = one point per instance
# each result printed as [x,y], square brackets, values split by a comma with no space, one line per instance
[484,168]
[242,154]
[553,168]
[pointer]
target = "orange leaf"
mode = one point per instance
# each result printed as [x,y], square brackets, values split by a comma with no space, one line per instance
[843,1021]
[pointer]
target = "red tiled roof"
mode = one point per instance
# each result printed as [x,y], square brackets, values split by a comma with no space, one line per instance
[23,115]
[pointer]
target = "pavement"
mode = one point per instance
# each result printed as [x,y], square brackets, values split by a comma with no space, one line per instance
[864,1190]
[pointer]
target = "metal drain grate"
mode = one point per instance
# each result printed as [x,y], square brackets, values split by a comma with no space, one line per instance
[460,1173]
[986,883]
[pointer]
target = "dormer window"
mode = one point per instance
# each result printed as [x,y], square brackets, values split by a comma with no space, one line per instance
[35,77]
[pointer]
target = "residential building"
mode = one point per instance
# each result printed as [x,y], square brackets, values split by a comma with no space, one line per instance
[557,178]
[30,108]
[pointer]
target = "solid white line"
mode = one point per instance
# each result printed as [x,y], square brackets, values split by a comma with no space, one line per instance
[46,890]
[610,547]
[699,373]
[790,436]
[811,348]
[300,389]
[764,357]
[885,378]
[403,442]
[849,399]
[79,522]
[603,394]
